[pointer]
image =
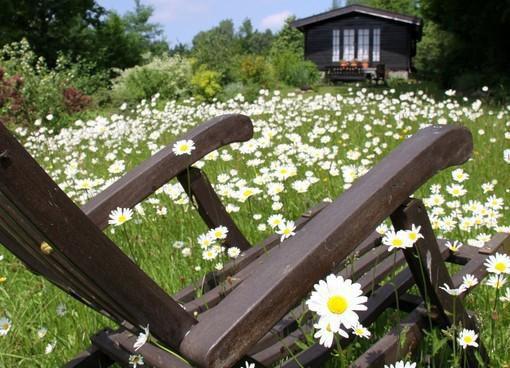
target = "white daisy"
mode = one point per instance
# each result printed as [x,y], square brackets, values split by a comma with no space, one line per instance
[184,147]
[337,300]
[452,291]
[401,364]
[361,331]
[469,281]
[467,338]
[454,247]
[286,230]
[396,240]
[120,215]
[326,333]
[496,281]
[498,263]
[233,252]
[136,360]
[5,326]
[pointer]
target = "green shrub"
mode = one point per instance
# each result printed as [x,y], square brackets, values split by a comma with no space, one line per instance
[292,70]
[206,83]
[167,75]
[254,69]
[44,91]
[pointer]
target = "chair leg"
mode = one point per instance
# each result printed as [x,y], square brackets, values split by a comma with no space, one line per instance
[429,272]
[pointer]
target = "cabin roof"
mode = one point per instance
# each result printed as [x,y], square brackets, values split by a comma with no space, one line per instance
[362,9]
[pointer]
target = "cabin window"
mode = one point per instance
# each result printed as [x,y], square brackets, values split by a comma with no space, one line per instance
[376,48]
[348,44]
[363,44]
[336,45]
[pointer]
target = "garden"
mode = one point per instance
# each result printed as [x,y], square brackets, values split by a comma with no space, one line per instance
[87,126]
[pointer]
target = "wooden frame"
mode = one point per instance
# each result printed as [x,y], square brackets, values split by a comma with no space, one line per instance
[248,310]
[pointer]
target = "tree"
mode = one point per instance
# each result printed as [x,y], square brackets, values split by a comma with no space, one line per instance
[336,4]
[216,47]
[479,37]
[252,41]
[50,25]
[288,39]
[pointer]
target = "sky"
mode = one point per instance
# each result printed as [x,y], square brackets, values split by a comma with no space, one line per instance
[182,19]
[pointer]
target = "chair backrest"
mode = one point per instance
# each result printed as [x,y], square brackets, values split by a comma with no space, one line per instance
[46,230]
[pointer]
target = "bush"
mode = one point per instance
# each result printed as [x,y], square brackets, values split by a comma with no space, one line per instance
[40,90]
[167,75]
[206,83]
[291,69]
[254,69]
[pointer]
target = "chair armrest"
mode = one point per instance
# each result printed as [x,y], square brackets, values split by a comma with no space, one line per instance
[286,274]
[146,178]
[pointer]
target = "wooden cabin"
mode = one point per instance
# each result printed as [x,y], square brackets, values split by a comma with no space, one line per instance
[361,39]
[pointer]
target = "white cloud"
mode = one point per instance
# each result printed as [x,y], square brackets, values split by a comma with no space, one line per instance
[169,10]
[275,21]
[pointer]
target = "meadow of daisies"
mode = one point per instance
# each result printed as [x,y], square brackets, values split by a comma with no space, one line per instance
[307,148]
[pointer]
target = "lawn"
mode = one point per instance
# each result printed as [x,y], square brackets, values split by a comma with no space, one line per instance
[307,148]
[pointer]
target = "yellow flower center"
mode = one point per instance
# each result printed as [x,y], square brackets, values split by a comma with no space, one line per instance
[122,219]
[337,304]
[468,339]
[397,242]
[184,148]
[413,236]
[5,326]
[500,266]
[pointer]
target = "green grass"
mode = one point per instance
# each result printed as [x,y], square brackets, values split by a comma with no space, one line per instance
[298,122]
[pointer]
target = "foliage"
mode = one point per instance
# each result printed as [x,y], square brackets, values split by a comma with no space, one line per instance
[215,48]
[479,41]
[42,89]
[206,83]
[289,39]
[168,76]
[50,26]
[290,68]
[256,69]
[82,30]
[11,97]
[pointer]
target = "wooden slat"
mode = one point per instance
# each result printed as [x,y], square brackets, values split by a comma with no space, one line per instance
[210,208]
[280,282]
[78,239]
[90,358]
[146,178]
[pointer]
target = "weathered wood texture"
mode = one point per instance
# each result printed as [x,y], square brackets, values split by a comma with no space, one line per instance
[76,239]
[284,278]
[146,178]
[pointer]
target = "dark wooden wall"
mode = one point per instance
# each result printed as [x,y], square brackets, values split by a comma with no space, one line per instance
[396,40]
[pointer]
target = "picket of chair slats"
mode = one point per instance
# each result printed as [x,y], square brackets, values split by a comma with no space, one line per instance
[283,279]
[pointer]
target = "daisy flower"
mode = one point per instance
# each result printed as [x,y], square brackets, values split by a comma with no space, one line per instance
[209,254]
[414,234]
[275,220]
[249,365]
[142,338]
[233,252]
[401,364]
[467,338]
[326,333]
[337,300]
[469,281]
[286,230]
[452,291]
[120,216]
[5,326]
[135,360]
[361,331]
[184,147]
[459,175]
[498,263]
[454,247]
[496,281]
[396,240]
[218,233]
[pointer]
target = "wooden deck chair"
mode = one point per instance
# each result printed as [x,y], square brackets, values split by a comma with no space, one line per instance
[249,311]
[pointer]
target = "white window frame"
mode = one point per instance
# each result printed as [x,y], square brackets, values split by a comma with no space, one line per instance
[363,44]
[376,44]
[336,45]
[349,46]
